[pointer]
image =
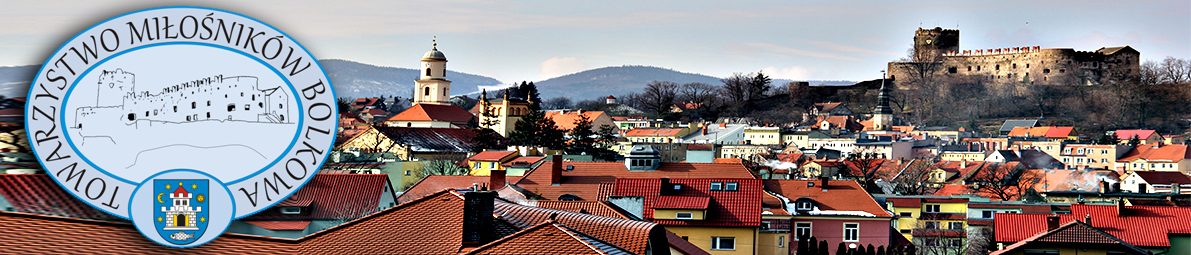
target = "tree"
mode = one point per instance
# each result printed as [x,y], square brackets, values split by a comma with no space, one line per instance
[343,104]
[736,91]
[803,246]
[867,166]
[912,180]
[659,96]
[558,103]
[823,250]
[486,137]
[813,246]
[1002,181]
[442,167]
[534,129]
[529,91]
[841,249]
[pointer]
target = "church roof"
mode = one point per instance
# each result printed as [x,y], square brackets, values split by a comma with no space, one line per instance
[434,112]
[434,54]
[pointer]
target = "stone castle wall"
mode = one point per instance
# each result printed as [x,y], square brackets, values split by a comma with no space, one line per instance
[1030,65]
[209,98]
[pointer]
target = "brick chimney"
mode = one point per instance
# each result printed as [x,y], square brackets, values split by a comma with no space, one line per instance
[556,170]
[496,180]
[477,218]
[1052,222]
[823,182]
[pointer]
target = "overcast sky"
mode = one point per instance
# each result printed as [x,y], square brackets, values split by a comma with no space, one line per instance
[531,40]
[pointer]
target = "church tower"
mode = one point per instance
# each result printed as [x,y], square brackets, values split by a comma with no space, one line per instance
[882,114]
[433,87]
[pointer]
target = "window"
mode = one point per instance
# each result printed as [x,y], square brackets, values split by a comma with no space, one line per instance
[851,232]
[723,243]
[932,208]
[407,172]
[491,165]
[764,225]
[906,231]
[781,241]
[803,206]
[444,92]
[955,243]
[1103,160]
[716,186]
[426,90]
[930,224]
[1046,70]
[1105,151]
[730,186]
[987,214]
[478,165]
[684,216]
[291,210]
[802,229]
[931,242]
[907,214]
[957,225]
[951,70]
[427,71]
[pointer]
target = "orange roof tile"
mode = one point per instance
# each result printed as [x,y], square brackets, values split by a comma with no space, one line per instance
[1168,153]
[38,193]
[1144,226]
[681,202]
[566,120]
[548,236]
[332,196]
[433,112]
[492,155]
[435,183]
[841,195]
[654,132]
[280,225]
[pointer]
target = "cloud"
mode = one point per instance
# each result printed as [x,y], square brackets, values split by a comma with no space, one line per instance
[796,73]
[559,66]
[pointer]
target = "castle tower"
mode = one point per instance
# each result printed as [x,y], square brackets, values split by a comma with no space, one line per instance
[180,215]
[929,44]
[433,87]
[883,114]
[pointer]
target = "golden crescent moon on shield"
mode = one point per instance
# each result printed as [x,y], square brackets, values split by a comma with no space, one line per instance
[159,198]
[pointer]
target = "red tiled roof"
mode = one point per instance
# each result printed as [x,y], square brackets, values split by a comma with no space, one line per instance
[11,112]
[841,195]
[585,178]
[1163,177]
[332,196]
[435,183]
[681,202]
[826,107]
[653,132]
[601,208]
[523,161]
[740,208]
[727,160]
[548,236]
[606,190]
[633,236]
[430,225]
[361,102]
[1059,132]
[1125,134]
[434,112]
[1145,226]
[700,146]
[1072,234]
[280,225]
[40,194]
[39,234]
[376,112]
[566,120]
[1167,153]
[491,155]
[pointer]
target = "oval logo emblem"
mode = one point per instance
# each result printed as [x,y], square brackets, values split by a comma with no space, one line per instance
[181,119]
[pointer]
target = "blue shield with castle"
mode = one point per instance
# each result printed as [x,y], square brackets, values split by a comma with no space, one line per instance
[180,209]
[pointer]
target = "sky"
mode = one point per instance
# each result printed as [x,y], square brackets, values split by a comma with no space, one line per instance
[536,40]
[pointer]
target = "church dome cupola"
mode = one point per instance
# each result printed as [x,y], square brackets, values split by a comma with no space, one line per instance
[432,86]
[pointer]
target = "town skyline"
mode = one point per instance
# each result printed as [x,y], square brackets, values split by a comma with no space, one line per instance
[513,41]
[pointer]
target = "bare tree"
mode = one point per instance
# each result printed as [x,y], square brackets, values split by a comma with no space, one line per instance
[558,103]
[446,166]
[912,180]
[865,166]
[659,96]
[697,92]
[1176,70]
[1006,182]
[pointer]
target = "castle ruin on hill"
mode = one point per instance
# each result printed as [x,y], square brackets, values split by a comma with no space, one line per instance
[937,57]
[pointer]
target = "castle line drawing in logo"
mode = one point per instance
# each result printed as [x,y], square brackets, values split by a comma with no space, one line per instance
[183,209]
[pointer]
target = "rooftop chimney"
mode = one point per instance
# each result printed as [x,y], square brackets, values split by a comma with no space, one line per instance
[1176,189]
[963,163]
[1104,187]
[1052,222]
[556,170]
[1121,208]
[477,218]
[723,125]
[1087,218]
[496,180]
[823,182]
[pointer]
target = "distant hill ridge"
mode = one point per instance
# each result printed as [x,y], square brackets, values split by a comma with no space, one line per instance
[354,80]
[619,80]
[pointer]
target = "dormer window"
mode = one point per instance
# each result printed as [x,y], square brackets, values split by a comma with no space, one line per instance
[684,216]
[730,186]
[804,206]
[291,210]
[717,186]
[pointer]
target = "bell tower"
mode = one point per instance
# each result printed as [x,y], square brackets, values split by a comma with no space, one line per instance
[432,86]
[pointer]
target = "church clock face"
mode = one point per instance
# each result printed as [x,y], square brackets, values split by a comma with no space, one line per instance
[427,64]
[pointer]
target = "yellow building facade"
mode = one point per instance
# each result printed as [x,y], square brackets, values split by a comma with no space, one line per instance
[743,240]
